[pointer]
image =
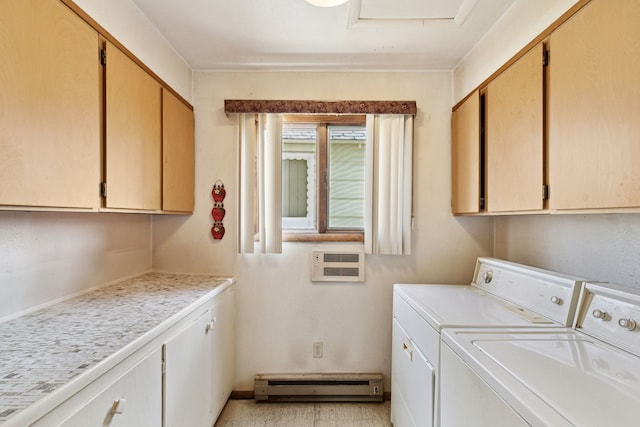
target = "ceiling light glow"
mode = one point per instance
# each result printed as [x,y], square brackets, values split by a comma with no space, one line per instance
[326,3]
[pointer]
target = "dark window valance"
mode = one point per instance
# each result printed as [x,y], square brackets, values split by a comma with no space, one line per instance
[319,107]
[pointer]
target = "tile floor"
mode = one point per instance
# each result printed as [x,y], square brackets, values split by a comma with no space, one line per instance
[248,413]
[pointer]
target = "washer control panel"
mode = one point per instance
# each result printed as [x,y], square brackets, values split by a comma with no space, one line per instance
[611,314]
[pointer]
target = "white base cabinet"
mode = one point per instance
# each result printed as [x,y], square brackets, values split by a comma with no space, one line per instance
[182,377]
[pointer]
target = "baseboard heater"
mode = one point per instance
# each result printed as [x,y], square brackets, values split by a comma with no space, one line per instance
[320,387]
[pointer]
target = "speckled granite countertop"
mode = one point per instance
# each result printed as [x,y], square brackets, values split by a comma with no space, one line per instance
[43,350]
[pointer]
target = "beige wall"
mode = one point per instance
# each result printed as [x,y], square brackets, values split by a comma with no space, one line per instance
[48,255]
[280,312]
[598,246]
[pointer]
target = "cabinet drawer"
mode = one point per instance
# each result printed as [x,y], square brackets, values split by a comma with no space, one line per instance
[134,399]
[419,331]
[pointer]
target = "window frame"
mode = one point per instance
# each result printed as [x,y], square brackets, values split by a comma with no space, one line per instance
[322,233]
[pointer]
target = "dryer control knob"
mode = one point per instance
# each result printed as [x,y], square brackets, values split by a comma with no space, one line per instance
[628,324]
[599,314]
[487,276]
[556,300]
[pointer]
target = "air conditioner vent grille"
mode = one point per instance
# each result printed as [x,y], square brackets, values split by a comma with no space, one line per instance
[334,257]
[337,266]
[341,272]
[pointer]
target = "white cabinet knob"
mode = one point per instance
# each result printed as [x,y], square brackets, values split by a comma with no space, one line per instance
[556,300]
[118,406]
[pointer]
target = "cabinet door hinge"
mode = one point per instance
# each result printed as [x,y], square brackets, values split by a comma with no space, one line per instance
[545,192]
[103,190]
[546,57]
[164,367]
[103,57]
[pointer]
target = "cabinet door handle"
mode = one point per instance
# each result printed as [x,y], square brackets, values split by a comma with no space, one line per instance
[210,325]
[407,350]
[118,406]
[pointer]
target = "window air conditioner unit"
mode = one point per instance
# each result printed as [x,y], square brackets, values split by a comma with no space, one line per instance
[337,266]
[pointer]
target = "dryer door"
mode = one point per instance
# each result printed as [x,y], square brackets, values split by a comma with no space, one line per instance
[412,382]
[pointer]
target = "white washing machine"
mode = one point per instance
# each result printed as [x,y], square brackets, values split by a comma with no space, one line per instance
[501,294]
[587,376]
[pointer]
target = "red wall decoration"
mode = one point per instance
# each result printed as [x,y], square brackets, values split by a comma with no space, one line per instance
[217,213]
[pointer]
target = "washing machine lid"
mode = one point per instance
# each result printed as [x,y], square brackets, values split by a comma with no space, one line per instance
[554,377]
[466,306]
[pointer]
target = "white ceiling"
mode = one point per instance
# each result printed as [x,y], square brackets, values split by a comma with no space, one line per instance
[294,35]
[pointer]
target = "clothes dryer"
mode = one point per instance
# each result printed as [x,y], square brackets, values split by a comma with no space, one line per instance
[587,376]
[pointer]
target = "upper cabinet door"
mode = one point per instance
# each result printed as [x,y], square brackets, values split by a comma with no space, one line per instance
[133,134]
[178,154]
[594,106]
[465,156]
[515,136]
[49,106]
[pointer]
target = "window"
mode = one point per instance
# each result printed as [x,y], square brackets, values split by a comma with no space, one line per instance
[323,177]
[388,166]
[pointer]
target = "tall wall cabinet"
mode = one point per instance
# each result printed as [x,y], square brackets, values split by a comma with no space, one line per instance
[514,136]
[178,154]
[83,124]
[466,157]
[560,129]
[49,106]
[133,140]
[594,105]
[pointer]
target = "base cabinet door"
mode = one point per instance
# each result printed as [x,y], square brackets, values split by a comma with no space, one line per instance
[223,349]
[135,399]
[199,365]
[188,373]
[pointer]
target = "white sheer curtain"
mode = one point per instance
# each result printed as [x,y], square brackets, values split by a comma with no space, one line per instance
[388,195]
[260,180]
